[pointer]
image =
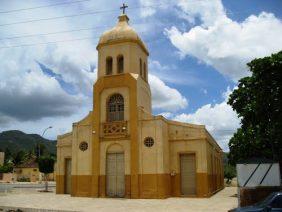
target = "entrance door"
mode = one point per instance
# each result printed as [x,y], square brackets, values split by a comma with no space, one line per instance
[188,174]
[115,175]
[68,176]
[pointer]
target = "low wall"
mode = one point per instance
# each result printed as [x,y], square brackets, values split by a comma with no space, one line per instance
[249,196]
[6,177]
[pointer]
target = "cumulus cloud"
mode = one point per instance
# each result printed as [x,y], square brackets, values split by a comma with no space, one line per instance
[53,83]
[165,97]
[220,119]
[33,96]
[28,94]
[222,43]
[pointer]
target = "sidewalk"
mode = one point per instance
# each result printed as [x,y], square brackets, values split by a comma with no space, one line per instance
[222,201]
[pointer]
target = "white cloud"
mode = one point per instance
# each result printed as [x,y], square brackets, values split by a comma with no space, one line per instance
[151,6]
[164,72]
[33,96]
[220,119]
[225,44]
[165,97]
[30,100]
[28,96]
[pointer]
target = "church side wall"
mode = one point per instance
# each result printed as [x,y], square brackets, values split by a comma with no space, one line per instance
[64,150]
[215,167]
[185,139]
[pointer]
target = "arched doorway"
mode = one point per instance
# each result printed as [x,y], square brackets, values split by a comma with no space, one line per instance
[115,176]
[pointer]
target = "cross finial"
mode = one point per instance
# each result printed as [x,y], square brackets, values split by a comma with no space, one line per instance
[123,8]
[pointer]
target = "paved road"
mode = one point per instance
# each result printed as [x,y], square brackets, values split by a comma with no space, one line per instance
[11,187]
[222,201]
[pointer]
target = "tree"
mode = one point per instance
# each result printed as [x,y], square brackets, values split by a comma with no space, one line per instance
[229,173]
[8,155]
[19,157]
[46,166]
[258,102]
[6,168]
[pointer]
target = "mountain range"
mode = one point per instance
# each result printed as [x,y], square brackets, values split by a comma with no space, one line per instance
[17,140]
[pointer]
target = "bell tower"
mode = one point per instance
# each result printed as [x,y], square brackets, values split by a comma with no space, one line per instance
[121,92]
[121,51]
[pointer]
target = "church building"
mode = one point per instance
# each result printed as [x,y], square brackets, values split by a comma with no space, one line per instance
[120,149]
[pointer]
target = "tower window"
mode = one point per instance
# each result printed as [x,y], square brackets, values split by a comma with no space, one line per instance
[145,72]
[115,108]
[140,67]
[109,65]
[120,64]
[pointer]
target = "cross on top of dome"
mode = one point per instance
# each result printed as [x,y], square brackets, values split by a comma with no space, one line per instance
[123,7]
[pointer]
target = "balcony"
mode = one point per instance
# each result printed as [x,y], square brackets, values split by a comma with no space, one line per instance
[115,128]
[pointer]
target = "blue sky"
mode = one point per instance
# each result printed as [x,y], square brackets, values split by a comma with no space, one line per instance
[198,51]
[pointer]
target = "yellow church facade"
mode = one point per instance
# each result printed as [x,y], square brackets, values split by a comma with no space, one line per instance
[120,149]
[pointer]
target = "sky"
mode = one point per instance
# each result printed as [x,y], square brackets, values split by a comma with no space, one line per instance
[198,51]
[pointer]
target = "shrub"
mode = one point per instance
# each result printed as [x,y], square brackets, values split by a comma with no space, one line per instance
[23,179]
[229,173]
[6,168]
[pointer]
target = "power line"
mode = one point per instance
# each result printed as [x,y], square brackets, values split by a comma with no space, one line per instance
[57,17]
[73,15]
[45,43]
[51,33]
[59,32]
[62,41]
[43,6]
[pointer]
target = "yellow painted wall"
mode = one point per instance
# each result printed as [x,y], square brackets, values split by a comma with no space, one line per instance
[32,173]
[64,150]
[82,132]
[131,53]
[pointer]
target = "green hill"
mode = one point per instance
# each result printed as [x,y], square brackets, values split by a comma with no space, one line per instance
[17,140]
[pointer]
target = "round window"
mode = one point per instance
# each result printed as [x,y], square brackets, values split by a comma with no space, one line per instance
[83,146]
[149,142]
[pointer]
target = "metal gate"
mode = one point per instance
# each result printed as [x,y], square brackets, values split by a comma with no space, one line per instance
[115,175]
[188,174]
[68,176]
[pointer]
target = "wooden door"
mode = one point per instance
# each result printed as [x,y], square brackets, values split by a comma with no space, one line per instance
[68,176]
[115,175]
[188,174]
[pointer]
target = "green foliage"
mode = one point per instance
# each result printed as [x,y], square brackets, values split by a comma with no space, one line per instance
[19,157]
[6,168]
[46,164]
[229,172]
[8,156]
[23,179]
[258,102]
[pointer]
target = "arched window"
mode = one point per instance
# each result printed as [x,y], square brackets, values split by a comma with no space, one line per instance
[120,64]
[145,72]
[109,65]
[115,108]
[140,67]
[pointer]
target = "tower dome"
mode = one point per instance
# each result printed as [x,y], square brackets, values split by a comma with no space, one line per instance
[122,32]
